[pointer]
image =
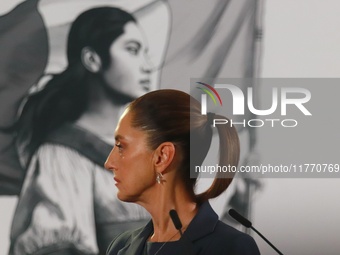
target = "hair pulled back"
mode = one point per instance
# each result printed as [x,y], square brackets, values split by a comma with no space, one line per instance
[174,116]
[96,28]
[65,96]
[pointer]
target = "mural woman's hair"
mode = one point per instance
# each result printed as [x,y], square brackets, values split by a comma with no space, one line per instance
[65,96]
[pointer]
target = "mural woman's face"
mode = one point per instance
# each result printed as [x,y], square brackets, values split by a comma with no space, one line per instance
[128,73]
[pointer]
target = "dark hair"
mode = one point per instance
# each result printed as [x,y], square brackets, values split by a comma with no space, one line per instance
[174,116]
[65,97]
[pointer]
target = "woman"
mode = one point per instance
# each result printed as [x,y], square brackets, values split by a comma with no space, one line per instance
[67,204]
[151,165]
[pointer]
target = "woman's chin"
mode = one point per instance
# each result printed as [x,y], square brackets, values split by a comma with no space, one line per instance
[125,198]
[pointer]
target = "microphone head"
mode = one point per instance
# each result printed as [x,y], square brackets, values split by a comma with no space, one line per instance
[238,217]
[175,219]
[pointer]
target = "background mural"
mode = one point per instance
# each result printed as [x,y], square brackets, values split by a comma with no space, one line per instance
[221,38]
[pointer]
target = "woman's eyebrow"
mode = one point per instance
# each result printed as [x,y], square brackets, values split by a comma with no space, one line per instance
[132,41]
[119,137]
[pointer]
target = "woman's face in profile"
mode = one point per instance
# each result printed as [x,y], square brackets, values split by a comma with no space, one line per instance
[131,161]
[128,73]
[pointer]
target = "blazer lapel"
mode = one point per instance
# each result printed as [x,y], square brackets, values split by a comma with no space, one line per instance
[136,245]
[205,217]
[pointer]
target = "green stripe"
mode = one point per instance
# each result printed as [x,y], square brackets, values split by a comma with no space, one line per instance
[209,93]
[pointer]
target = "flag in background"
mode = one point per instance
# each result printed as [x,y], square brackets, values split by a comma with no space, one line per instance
[216,38]
[23,57]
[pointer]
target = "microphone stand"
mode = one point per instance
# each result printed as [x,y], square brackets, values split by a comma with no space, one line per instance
[245,222]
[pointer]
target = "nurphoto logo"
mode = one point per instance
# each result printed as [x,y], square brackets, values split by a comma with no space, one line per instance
[280,99]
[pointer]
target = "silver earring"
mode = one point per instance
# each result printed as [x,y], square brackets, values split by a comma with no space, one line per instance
[159,178]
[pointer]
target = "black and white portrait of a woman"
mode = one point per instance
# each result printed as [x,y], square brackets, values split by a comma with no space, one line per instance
[68,69]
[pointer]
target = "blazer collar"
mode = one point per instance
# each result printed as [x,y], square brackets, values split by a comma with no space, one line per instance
[205,217]
[137,240]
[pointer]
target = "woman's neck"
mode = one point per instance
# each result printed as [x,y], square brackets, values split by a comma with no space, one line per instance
[103,112]
[159,207]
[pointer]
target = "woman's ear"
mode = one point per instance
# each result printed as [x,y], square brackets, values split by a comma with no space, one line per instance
[164,156]
[91,60]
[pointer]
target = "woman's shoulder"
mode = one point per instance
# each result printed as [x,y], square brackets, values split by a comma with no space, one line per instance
[119,242]
[59,151]
[217,236]
[74,143]
[229,240]
[122,240]
[226,230]
[81,141]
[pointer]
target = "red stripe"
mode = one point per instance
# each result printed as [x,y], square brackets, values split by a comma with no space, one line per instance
[213,90]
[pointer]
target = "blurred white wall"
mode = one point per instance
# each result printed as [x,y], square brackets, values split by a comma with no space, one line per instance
[300,216]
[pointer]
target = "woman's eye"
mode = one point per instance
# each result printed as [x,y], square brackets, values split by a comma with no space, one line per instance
[119,146]
[133,50]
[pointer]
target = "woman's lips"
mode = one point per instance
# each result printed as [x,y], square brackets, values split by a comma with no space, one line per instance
[145,84]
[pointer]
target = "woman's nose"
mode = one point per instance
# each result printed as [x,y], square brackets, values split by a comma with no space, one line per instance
[147,65]
[146,69]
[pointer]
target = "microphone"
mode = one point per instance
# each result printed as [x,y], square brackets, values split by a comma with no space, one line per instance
[175,219]
[245,222]
[189,249]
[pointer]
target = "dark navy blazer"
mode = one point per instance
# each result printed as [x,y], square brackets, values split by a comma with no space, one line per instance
[205,235]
